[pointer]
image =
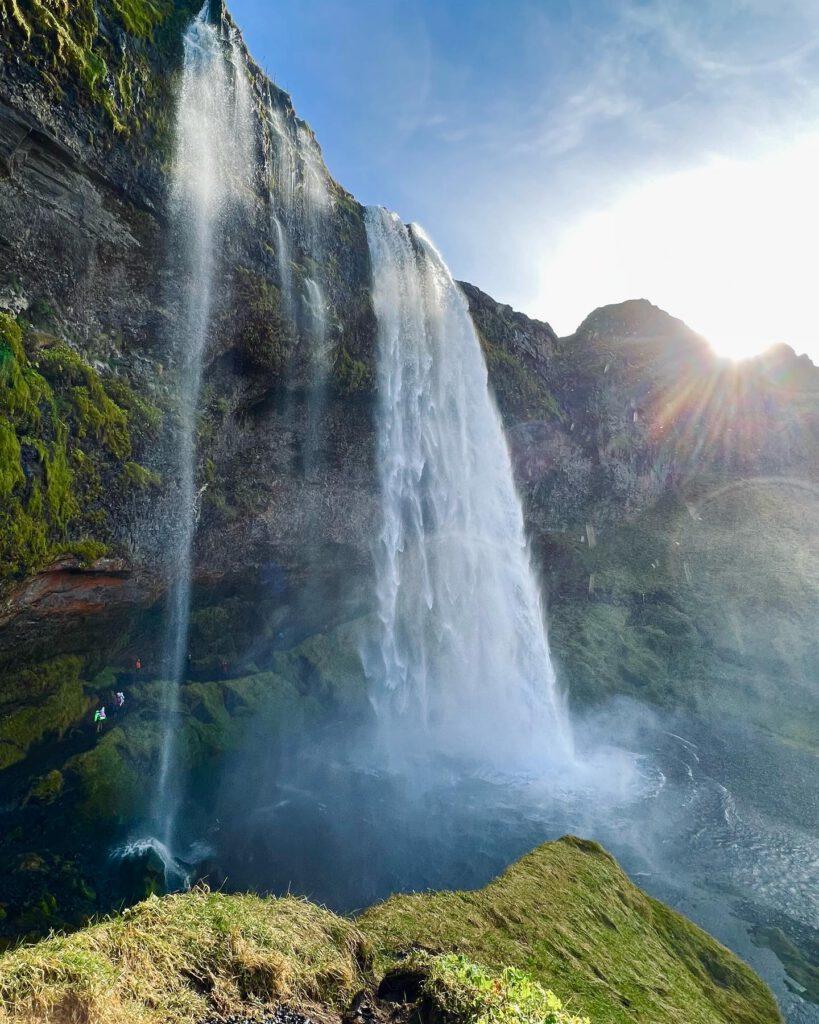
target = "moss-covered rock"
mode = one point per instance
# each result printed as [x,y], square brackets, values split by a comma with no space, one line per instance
[261,336]
[352,376]
[37,702]
[66,441]
[73,40]
[698,603]
[47,788]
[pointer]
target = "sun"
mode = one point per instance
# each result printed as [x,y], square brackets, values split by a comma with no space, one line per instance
[730,247]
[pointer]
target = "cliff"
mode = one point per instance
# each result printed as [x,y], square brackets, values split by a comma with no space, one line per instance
[670,496]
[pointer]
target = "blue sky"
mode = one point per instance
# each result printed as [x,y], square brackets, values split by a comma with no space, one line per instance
[526,134]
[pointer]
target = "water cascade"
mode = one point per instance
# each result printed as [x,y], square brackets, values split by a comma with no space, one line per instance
[213,163]
[315,200]
[280,175]
[319,373]
[461,666]
[300,201]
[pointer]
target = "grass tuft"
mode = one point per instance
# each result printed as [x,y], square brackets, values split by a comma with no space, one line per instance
[179,959]
[466,992]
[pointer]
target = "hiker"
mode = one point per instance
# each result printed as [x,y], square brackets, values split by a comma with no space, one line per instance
[120,699]
[99,717]
[138,665]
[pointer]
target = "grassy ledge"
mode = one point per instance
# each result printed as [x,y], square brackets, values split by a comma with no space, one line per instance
[568,915]
[564,918]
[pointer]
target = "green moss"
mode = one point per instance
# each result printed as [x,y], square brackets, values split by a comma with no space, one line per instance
[72,39]
[568,916]
[260,332]
[65,440]
[697,604]
[141,17]
[97,414]
[520,394]
[352,376]
[47,788]
[139,478]
[37,702]
[144,418]
[470,994]
[86,551]
[218,715]
[11,473]
[328,665]
[109,779]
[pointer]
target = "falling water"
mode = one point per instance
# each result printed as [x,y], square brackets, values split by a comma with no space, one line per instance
[316,304]
[285,268]
[214,153]
[462,664]
[315,200]
[299,196]
[301,201]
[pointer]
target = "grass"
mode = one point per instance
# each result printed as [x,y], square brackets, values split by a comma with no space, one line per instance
[176,960]
[564,918]
[568,916]
[465,991]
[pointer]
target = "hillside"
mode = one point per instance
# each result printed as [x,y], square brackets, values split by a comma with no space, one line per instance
[566,916]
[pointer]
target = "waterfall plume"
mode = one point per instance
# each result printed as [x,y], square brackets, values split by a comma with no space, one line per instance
[213,163]
[461,666]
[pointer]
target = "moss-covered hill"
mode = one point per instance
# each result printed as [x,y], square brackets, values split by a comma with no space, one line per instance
[564,920]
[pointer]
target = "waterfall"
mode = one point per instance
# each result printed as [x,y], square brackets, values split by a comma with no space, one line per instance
[212,163]
[300,201]
[315,199]
[284,266]
[316,304]
[461,666]
[300,198]
[279,172]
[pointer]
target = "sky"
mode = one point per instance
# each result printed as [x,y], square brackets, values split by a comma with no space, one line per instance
[564,154]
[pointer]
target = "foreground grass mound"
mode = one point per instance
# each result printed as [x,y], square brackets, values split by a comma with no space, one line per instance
[568,916]
[559,938]
[182,958]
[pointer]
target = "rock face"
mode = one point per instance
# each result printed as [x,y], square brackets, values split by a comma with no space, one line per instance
[95,268]
[670,496]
